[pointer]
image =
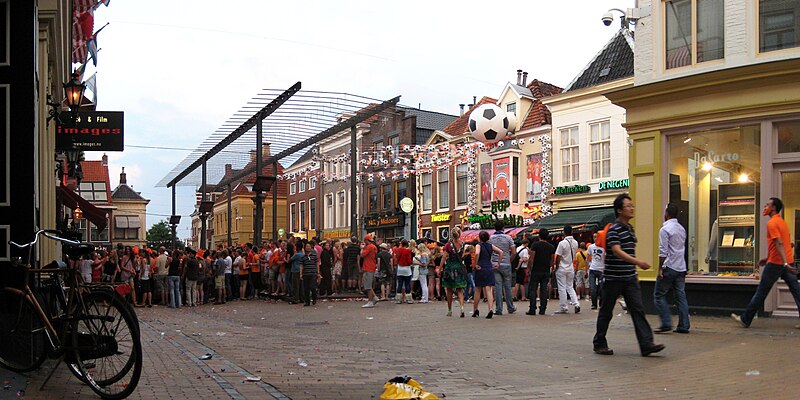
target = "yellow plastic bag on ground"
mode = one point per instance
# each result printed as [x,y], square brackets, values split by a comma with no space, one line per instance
[405,388]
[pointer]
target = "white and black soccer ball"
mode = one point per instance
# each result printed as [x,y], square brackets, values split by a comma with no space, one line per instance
[512,122]
[488,123]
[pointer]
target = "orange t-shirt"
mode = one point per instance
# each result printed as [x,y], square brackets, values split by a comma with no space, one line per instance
[368,254]
[255,264]
[244,269]
[776,228]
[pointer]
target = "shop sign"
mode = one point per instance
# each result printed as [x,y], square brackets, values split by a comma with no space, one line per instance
[571,189]
[713,157]
[382,222]
[336,234]
[92,131]
[616,184]
[441,217]
[406,204]
[281,232]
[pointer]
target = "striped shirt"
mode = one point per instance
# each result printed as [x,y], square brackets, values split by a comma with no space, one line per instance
[310,263]
[616,268]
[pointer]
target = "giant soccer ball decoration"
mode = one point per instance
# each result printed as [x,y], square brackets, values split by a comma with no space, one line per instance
[488,123]
[512,122]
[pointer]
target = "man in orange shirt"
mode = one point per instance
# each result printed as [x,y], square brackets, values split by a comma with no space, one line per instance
[778,263]
[255,271]
[244,273]
[369,253]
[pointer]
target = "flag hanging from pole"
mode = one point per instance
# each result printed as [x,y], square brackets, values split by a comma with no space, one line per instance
[91,49]
[91,84]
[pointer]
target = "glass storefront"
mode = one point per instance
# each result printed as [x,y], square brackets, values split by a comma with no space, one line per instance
[714,179]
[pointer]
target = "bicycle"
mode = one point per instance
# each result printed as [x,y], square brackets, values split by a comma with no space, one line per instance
[86,326]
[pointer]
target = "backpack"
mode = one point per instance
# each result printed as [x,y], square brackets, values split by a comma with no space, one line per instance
[515,259]
[601,236]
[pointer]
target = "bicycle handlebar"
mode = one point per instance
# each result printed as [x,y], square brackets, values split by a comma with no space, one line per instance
[49,233]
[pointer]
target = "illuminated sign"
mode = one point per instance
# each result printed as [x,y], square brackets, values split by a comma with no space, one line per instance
[617,184]
[382,222]
[442,217]
[92,131]
[571,189]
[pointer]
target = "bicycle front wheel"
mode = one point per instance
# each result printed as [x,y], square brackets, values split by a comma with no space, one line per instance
[23,338]
[107,350]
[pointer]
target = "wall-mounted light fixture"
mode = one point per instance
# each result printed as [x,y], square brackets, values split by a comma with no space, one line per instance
[73,97]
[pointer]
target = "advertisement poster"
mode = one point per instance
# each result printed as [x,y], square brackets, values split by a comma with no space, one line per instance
[502,187]
[486,185]
[533,182]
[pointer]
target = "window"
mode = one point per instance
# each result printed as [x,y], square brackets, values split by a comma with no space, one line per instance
[715,180]
[778,24]
[302,224]
[462,174]
[388,197]
[125,227]
[515,178]
[373,199]
[292,217]
[444,188]
[788,136]
[394,140]
[444,233]
[688,43]
[303,185]
[427,199]
[312,183]
[330,217]
[97,235]
[402,191]
[426,233]
[293,188]
[342,215]
[569,154]
[93,191]
[600,147]
[312,214]
[511,108]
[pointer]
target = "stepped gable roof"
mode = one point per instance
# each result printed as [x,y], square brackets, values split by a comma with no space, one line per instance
[539,115]
[96,171]
[430,120]
[459,126]
[614,61]
[125,192]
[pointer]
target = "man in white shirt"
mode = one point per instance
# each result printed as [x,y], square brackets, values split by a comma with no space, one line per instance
[671,272]
[597,259]
[565,272]
[228,276]
[522,271]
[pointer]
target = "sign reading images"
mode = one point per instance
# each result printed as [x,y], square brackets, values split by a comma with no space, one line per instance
[92,131]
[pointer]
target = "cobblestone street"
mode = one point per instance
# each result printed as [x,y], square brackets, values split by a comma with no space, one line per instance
[348,352]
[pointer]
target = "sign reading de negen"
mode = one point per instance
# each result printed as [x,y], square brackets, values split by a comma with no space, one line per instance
[92,131]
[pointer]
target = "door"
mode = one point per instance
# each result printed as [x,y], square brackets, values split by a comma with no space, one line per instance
[789,193]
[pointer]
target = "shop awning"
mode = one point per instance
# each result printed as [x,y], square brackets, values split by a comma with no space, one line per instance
[581,220]
[125,222]
[96,215]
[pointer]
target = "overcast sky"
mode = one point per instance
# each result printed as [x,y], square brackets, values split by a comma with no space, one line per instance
[179,69]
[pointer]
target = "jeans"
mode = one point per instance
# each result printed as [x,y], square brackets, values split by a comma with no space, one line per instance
[565,278]
[228,287]
[595,285]
[296,297]
[769,276]
[538,280]
[470,290]
[503,281]
[310,288]
[191,292]
[174,284]
[632,293]
[677,282]
[423,284]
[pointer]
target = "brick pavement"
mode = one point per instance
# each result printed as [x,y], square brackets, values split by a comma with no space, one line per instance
[350,352]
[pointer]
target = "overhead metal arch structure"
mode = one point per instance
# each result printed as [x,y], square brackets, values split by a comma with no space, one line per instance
[289,121]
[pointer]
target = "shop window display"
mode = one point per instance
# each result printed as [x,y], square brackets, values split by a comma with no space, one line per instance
[714,179]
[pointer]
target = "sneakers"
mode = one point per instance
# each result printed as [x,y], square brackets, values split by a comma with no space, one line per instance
[449,313]
[561,312]
[623,305]
[738,319]
[368,305]
[577,309]
[662,329]
[513,310]
[653,348]
[398,302]
[409,301]
[604,351]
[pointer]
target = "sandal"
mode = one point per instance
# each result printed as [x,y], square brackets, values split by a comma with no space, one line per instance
[449,313]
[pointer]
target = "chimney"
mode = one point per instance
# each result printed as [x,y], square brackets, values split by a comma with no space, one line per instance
[105,160]
[252,155]
[519,76]
[474,99]
[228,169]
[524,78]
[265,151]
[461,106]
[123,179]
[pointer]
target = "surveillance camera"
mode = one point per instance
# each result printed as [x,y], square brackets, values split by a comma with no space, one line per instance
[607,19]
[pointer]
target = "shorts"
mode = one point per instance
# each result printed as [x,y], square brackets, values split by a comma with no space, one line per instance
[161,282]
[243,277]
[404,282]
[147,286]
[353,272]
[520,278]
[219,281]
[581,279]
[273,273]
[368,280]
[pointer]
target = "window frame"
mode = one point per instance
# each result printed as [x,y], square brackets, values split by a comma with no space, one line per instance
[301,207]
[426,193]
[292,217]
[302,186]
[373,201]
[758,35]
[693,46]
[312,214]
[390,205]
[443,203]
[465,177]
[312,183]
[330,208]
[342,208]
[573,166]
[292,187]
[599,142]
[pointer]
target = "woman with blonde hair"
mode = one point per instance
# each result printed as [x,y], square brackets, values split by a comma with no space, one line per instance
[337,266]
[454,274]
[421,262]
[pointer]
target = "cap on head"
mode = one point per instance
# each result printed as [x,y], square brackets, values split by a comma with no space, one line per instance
[368,237]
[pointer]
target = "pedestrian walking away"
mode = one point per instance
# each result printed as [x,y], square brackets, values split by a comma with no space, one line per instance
[565,271]
[775,265]
[370,256]
[671,272]
[504,274]
[597,260]
[541,263]
[621,278]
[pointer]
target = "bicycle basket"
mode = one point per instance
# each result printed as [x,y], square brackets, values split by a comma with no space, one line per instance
[13,275]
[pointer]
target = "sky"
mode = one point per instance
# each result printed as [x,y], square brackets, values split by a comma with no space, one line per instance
[179,69]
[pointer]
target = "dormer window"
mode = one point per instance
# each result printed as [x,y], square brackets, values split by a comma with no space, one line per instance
[511,108]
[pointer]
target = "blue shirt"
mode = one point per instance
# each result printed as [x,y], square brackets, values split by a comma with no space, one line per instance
[671,245]
[297,261]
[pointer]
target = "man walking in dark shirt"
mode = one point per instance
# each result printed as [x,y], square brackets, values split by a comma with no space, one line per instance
[621,278]
[310,274]
[351,254]
[541,262]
